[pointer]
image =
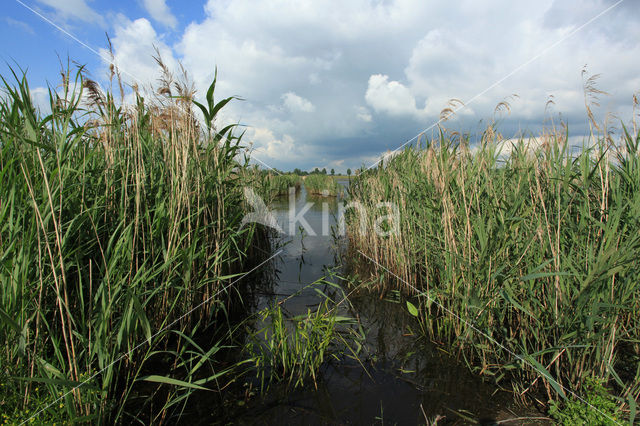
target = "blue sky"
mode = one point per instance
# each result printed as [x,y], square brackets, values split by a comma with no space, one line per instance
[337,84]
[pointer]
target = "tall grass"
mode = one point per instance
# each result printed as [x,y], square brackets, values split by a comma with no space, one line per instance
[115,222]
[320,184]
[536,247]
[279,184]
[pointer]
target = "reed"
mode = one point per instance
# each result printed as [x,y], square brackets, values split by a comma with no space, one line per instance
[320,184]
[280,184]
[292,349]
[534,245]
[115,222]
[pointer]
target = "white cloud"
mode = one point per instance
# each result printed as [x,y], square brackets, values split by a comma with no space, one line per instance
[133,46]
[295,103]
[160,12]
[363,114]
[270,149]
[75,9]
[23,26]
[466,61]
[40,99]
[391,97]
[377,71]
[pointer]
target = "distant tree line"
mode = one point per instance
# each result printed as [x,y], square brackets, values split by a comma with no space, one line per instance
[315,171]
[299,172]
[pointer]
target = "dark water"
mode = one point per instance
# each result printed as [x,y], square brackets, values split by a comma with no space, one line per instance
[398,379]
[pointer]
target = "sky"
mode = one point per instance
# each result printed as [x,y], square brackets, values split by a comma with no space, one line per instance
[337,84]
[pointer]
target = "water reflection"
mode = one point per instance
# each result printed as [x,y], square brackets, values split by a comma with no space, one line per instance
[308,255]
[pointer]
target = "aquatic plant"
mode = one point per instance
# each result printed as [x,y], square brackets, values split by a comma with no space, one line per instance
[576,412]
[117,223]
[292,349]
[321,184]
[524,253]
[280,184]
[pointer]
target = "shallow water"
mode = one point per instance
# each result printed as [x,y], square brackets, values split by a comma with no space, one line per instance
[398,379]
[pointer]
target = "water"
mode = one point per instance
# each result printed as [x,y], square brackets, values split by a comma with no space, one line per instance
[398,379]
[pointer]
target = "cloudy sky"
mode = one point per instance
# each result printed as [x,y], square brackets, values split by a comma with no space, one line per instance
[337,83]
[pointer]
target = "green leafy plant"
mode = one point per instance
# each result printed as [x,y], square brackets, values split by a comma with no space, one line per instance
[599,407]
[292,349]
[528,243]
[211,110]
[412,309]
[322,184]
[116,223]
[281,184]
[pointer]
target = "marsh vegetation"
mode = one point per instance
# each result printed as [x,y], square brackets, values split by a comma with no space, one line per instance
[321,184]
[126,295]
[119,245]
[521,255]
[279,184]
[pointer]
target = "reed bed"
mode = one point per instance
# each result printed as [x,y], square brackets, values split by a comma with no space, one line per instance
[115,223]
[280,184]
[535,246]
[321,184]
